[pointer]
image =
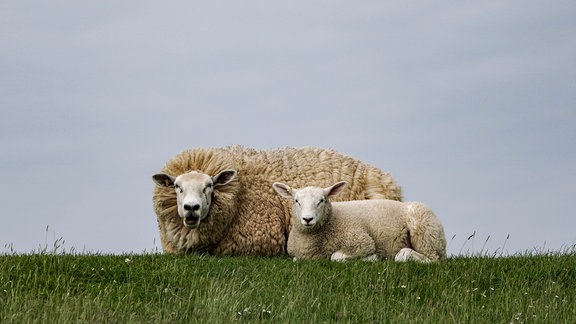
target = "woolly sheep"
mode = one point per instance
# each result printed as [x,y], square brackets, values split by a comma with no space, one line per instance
[219,200]
[367,229]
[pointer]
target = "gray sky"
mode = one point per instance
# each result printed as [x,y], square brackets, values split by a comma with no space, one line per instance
[470,105]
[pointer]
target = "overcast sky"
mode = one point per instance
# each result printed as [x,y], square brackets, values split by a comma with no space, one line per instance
[470,105]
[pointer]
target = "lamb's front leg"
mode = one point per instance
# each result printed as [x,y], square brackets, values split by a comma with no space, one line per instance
[407,254]
[356,246]
[340,256]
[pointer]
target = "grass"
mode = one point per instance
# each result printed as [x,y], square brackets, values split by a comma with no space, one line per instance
[157,288]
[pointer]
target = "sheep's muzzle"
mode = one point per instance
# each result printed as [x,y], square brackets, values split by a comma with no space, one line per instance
[191,221]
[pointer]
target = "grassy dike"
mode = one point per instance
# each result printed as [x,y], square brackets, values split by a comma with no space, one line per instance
[157,288]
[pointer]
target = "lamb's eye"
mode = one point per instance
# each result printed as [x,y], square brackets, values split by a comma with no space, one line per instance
[296,201]
[321,201]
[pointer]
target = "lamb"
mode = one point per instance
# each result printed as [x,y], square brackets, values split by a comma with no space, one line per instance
[366,229]
[219,201]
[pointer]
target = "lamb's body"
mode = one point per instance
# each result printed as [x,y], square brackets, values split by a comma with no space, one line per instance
[369,229]
[245,216]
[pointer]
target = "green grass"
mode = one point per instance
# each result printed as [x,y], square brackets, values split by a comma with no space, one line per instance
[156,288]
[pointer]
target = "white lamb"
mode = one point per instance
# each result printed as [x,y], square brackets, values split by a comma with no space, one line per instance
[367,229]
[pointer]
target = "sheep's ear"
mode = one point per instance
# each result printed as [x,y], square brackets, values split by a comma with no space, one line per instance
[335,190]
[163,180]
[224,177]
[282,189]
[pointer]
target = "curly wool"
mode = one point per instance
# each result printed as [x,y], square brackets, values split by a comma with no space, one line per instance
[246,216]
[364,228]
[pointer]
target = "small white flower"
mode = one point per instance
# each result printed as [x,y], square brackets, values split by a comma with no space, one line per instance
[127,261]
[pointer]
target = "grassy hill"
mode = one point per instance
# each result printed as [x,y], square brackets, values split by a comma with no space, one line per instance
[156,288]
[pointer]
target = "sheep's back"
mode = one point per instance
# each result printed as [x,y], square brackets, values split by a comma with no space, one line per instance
[311,166]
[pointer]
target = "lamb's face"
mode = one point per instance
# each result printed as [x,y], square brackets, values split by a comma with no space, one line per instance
[194,196]
[309,204]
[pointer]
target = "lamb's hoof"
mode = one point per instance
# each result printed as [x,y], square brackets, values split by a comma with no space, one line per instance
[404,255]
[407,254]
[338,256]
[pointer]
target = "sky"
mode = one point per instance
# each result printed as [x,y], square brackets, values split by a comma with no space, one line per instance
[470,105]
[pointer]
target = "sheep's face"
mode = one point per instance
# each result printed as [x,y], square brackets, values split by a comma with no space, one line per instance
[309,204]
[194,196]
[194,193]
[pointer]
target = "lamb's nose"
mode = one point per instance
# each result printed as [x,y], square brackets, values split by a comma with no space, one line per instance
[193,207]
[307,219]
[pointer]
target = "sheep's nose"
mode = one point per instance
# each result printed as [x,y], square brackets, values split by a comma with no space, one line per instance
[193,207]
[307,219]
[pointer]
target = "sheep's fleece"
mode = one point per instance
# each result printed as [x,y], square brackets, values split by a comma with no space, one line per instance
[246,216]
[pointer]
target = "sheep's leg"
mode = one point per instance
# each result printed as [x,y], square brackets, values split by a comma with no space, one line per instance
[407,254]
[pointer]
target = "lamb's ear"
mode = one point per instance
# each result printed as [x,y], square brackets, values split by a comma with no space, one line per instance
[335,190]
[224,177]
[282,189]
[163,180]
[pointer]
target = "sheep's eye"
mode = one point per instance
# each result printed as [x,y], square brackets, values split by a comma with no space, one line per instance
[296,201]
[208,186]
[321,201]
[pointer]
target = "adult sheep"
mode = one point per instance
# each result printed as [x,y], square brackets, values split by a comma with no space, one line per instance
[367,229]
[220,201]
